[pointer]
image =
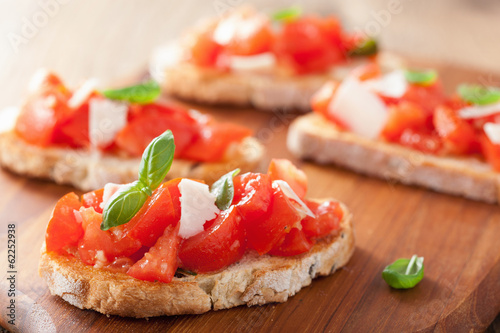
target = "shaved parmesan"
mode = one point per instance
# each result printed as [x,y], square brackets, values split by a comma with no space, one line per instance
[106,119]
[237,26]
[258,62]
[8,117]
[393,84]
[81,95]
[37,79]
[197,207]
[478,111]
[492,131]
[361,110]
[288,191]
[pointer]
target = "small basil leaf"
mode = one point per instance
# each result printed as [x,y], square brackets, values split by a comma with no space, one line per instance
[423,78]
[123,205]
[223,189]
[157,160]
[477,94]
[143,93]
[288,14]
[365,47]
[404,273]
[180,272]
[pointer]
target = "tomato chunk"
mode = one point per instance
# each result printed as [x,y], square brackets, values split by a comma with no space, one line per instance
[252,195]
[93,199]
[73,128]
[251,36]
[458,135]
[427,97]
[285,170]
[322,98]
[421,140]
[328,216]
[401,117]
[491,152]
[295,243]
[64,230]
[217,247]
[160,262]
[204,50]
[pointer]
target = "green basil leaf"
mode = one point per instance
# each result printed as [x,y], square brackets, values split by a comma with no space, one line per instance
[288,14]
[143,93]
[123,205]
[477,94]
[366,47]
[157,160]
[423,78]
[223,189]
[404,273]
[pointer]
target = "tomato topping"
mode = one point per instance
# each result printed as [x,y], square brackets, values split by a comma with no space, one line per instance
[266,233]
[252,196]
[328,216]
[175,195]
[322,98]
[250,36]
[220,245]
[94,239]
[204,50]
[295,243]
[421,140]
[64,230]
[491,151]
[160,262]
[458,135]
[427,97]
[401,117]
[73,128]
[367,71]
[93,199]
[285,170]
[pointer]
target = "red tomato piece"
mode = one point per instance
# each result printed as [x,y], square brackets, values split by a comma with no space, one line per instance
[401,117]
[252,195]
[490,151]
[295,243]
[204,50]
[64,230]
[368,71]
[458,135]
[217,247]
[252,36]
[421,140]
[93,199]
[285,170]
[160,262]
[328,217]
[266,233]
[175,195]
[427,97]
[73,128]
[322,98]
[94,239]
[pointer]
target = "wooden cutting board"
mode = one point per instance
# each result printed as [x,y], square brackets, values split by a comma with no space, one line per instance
[460,240]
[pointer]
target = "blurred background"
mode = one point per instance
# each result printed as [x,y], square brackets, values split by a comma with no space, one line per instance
[114,39]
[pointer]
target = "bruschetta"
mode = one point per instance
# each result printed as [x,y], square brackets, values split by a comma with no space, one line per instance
[402,126]
[149,249]
[87,138]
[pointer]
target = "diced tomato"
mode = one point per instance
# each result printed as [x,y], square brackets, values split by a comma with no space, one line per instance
[421,140]
[93,199]
[64,230]
[285,170]
[213,141]
[368,71]
[160,262]
[252,36]
[266,233]
[73,128]
[217,247]
[94,239]
[427,97]
[328,216]
[252,196]
[458,135]
[491,151]
[204,50]
[151,121]
[401,117]
[310,44]
[295,243]
[150,222]
[175,195]
[322,98]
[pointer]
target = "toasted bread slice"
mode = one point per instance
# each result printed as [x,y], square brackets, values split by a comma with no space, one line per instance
[86,170]
[312,137]
[254,280]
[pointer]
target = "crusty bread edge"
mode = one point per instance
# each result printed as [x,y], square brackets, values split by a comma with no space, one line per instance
[254,280]
[88,171]
[312,137]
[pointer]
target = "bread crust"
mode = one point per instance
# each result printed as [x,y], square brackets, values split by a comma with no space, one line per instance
[254,280]
[312,137]
[88,171]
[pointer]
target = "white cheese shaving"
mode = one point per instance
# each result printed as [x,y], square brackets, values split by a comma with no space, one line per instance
[197,207]
[109,190]
[288,191]
[492,131]
[393,84]
[106,119]
[37,79]
[8,117]
[83,93]
[237,26]
[358,108]
[258,62]
[478,111]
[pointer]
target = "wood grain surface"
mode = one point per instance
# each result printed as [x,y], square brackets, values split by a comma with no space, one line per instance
[459,239]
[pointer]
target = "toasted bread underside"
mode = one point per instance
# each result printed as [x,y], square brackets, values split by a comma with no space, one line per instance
[88,171]
[254,280]
[263,90]
[312,137]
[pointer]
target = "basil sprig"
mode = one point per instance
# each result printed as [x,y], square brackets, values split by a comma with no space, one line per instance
[143,93]
[288,14]
[223,189]
[365,47]
[404,273]
[156,162]
[423,78]
[477,94]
